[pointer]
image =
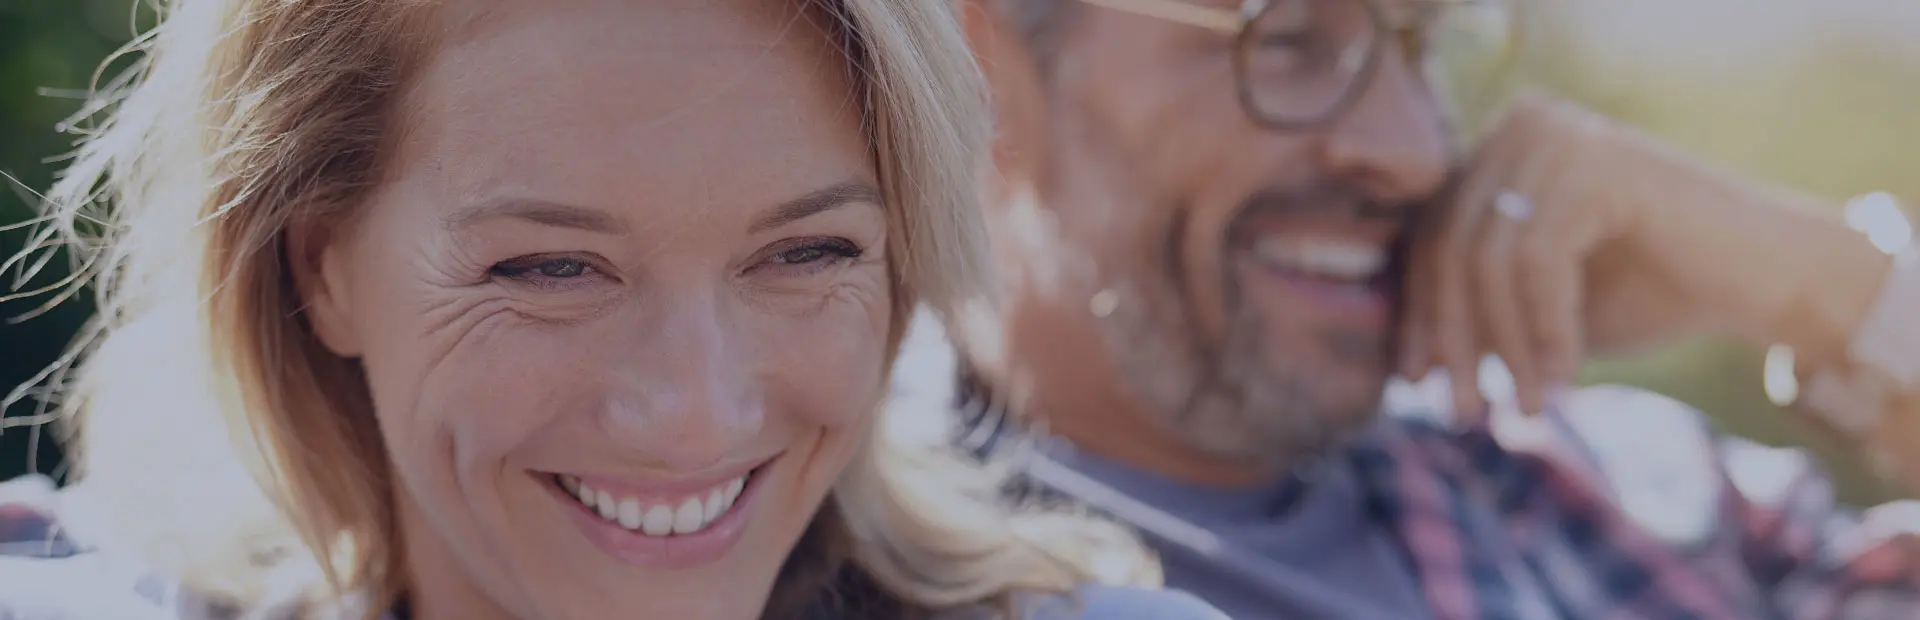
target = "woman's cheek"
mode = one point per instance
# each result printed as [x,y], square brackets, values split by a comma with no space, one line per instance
[830,363]
[502,382]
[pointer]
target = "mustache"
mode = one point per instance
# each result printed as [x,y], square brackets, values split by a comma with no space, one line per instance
[1332,197]
[1328,197]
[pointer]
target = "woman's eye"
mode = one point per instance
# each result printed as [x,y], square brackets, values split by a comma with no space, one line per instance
[800,256]
[812,254]
[561,268]
[545,272]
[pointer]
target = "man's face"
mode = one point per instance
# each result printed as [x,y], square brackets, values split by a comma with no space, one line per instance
[1241,280]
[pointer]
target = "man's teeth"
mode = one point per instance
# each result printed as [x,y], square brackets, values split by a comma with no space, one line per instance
[1329,258]
[686,517]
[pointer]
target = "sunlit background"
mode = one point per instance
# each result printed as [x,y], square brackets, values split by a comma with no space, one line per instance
[1823,95]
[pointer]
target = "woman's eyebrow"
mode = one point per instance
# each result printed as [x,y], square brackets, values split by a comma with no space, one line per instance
[816,202]
[560,215]
[539,212]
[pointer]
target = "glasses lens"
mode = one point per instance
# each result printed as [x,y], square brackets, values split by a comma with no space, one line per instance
[1469,50]
[1300,58]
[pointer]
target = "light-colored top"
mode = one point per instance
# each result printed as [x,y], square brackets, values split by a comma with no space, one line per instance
[84,587]
[44,576]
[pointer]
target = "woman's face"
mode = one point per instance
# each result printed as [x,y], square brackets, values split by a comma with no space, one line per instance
[622,302]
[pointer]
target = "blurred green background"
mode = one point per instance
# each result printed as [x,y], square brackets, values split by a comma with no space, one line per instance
[1819,94]
[49,50]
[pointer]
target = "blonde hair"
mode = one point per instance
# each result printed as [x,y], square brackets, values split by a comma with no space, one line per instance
[242,119]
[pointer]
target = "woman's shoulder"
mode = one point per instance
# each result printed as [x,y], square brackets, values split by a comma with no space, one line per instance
[1122,603]
[50,571]
[87,584]
[78,586]
[45,574]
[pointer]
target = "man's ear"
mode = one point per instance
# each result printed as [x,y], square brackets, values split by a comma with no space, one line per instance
[1014,76]
[317,259]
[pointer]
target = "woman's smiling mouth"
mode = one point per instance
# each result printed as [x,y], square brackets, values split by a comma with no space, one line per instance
[658,518]
[662,524]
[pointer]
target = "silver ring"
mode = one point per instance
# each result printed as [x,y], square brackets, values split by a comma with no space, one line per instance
[1512,205]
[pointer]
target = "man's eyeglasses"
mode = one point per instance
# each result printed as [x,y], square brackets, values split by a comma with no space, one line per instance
[1298,64]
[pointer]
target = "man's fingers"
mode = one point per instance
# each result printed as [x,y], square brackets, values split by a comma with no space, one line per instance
[1503,321]
[1551,282]
[1415,342]
[1453,338]
[1412,357]
[1457,346]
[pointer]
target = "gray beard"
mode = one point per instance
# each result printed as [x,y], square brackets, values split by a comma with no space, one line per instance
[1238,405]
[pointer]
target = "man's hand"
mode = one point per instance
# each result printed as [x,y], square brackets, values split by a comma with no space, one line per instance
[1569,236]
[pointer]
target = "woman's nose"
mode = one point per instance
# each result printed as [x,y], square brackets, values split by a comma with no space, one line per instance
[685,393]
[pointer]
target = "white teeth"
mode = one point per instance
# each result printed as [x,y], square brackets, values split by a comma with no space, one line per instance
[716,503]
[608,509]
[630,513]
[1323,257]
[659,521]
[689,518]
[691,515]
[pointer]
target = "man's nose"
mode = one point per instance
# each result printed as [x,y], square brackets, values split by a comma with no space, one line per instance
[684,394]
[1395,141]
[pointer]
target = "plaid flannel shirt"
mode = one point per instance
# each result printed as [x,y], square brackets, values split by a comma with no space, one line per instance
[1621,504]
[1624,504]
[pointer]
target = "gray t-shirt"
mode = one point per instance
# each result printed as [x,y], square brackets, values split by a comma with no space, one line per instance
[1306,535]
[1116,603]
